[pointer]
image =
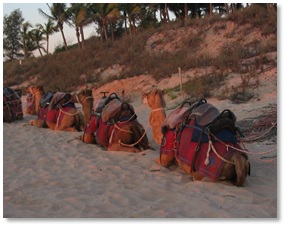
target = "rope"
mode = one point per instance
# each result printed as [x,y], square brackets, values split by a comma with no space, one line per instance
[132,145]
[262,135]
[252,154]
[77,98]
[62,111]
[211,147]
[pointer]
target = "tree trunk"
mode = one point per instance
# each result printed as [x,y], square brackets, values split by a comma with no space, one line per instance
[226,8]
[64,38]
[211,9]
[186,11]
[105,32]
[232,7]
[112,31]
[130,25]
[82,36]
[125,24]
[47,44]
[166,13]
[77,36]
[39,49]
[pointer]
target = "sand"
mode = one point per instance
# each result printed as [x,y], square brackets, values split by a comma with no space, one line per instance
[47,176]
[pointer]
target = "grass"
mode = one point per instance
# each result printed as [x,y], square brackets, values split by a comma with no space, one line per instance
[65,70]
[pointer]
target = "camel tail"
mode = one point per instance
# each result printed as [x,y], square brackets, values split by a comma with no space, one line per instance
[242,168]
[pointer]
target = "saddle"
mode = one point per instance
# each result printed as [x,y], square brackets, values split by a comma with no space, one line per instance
[10,94]
[46,99]
[44,105]
[187,136]
[60,99]
[12,101]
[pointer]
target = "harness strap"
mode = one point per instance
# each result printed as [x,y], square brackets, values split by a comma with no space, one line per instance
[157,109]
[64,112]
[211,147]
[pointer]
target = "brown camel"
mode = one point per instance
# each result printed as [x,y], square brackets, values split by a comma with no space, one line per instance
[61,115]
[155,100]
[127,135]
[35,93]
[234,171]
[122,132]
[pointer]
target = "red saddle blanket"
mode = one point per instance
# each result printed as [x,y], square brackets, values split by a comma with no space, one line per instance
[43,111]
[56,116]
[92,125]
[103,133]
[191,149]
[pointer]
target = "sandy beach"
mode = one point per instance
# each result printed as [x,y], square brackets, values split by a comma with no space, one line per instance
[45,175]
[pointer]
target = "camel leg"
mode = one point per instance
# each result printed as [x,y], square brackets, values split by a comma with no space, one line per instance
[39,123]
[88,138]
[165,160]
[118,147]
[67,129]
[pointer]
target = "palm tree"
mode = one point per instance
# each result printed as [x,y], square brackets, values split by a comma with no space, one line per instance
[130,10]
[37,36]
[27,44]
[104,14]
[59,15]
[79,14]
[48,29]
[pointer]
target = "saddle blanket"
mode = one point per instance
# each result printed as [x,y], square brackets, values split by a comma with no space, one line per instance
[56,115]
[194,153]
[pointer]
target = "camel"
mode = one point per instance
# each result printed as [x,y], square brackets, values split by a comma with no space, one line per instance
[156,102]
[233,172]
[122,132]
[84,97]
[12,105]
[35,93]
[60,115]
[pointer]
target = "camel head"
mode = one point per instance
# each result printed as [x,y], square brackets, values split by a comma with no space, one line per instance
[33,89]
[154,98]
[82,96]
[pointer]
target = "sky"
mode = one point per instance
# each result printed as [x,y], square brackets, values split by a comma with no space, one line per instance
[30,13]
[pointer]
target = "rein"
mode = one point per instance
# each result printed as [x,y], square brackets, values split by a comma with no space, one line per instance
[77,98]
[252,154]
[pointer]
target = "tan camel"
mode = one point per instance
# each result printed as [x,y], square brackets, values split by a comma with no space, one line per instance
[233,172]
[84,97]
[35,93]
[61,117]
[155,100]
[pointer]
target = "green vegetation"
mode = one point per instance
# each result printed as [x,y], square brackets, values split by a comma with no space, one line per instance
[131,47]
